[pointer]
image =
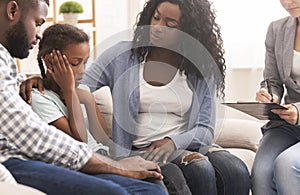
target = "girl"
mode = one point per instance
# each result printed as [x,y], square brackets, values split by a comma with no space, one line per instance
[59,106]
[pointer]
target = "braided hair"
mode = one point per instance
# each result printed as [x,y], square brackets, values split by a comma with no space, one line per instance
[58,37]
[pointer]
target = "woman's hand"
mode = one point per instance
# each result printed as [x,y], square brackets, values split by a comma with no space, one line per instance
[290,115]
[263,96]
[160,149]
[26,87]
[61,71]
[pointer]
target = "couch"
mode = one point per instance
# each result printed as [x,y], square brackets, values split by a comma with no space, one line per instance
[8,185]
[236,132]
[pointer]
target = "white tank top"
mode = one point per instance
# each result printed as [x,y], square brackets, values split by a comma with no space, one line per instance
[296,67]
[163,109]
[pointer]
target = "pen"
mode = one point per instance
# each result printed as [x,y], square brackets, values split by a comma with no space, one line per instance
[269,89]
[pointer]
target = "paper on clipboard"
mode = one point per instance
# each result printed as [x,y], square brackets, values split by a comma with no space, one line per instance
[261,111]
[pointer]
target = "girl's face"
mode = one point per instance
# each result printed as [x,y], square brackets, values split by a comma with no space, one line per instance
[164,24]
[291,6]
[77,55]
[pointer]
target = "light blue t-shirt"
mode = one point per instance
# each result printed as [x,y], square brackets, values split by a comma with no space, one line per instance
[50,108]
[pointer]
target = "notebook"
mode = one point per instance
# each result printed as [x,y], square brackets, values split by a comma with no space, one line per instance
[261,111]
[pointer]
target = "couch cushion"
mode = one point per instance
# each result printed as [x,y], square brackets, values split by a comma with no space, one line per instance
[247,156]
[239,133]
[8,188]
[5,175]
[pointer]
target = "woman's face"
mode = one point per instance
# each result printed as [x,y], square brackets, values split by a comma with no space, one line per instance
[165,23]
[292,6]
[77,55]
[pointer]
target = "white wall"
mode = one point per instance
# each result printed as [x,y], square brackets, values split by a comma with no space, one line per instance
[244,25]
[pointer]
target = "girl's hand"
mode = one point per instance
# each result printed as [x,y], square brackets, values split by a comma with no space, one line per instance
[264,97]
[61,71]
[290,115]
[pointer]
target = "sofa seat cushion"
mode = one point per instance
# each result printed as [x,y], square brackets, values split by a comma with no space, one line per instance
[247,156]
[239,133]
[8,188]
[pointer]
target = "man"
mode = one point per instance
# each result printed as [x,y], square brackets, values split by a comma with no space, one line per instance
[38,155]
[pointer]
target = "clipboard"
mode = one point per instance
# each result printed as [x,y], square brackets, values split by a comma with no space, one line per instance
[261,111]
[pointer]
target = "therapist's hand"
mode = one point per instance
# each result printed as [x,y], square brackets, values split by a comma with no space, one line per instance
[263,96]
[290,115]
[26,88]
[159,150]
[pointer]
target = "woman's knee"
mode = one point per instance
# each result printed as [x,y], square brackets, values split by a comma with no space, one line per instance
[286,165]
[200,167]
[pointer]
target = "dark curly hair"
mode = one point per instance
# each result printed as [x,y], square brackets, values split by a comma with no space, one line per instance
[198,21]
[58,37]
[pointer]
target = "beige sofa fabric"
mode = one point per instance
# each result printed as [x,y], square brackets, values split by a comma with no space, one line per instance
[18,189]
[240,133]
[5,175]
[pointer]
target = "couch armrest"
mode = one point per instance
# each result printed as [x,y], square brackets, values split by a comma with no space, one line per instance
[5,175]
[8,188]
[239,133]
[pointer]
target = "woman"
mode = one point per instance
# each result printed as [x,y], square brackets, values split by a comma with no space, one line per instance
[59,105]
[164,92]
[276,165]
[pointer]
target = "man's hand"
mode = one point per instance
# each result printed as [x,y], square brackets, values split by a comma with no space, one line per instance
[26,87]
[139,168]
[159,150]
[135,167]
[290,115]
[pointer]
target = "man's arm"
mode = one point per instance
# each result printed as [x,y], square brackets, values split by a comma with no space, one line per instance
[134,167]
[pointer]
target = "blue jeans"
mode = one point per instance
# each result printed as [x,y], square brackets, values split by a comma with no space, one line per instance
[174,181]
[276,168]
[222,174]
[232,174]
[57,180]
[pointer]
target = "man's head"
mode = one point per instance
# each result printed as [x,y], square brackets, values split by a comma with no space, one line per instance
[21,22]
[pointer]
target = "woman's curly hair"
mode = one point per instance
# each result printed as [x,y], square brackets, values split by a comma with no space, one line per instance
[198,20]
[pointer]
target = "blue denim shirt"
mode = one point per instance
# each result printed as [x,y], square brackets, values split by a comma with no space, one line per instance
[118,68]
